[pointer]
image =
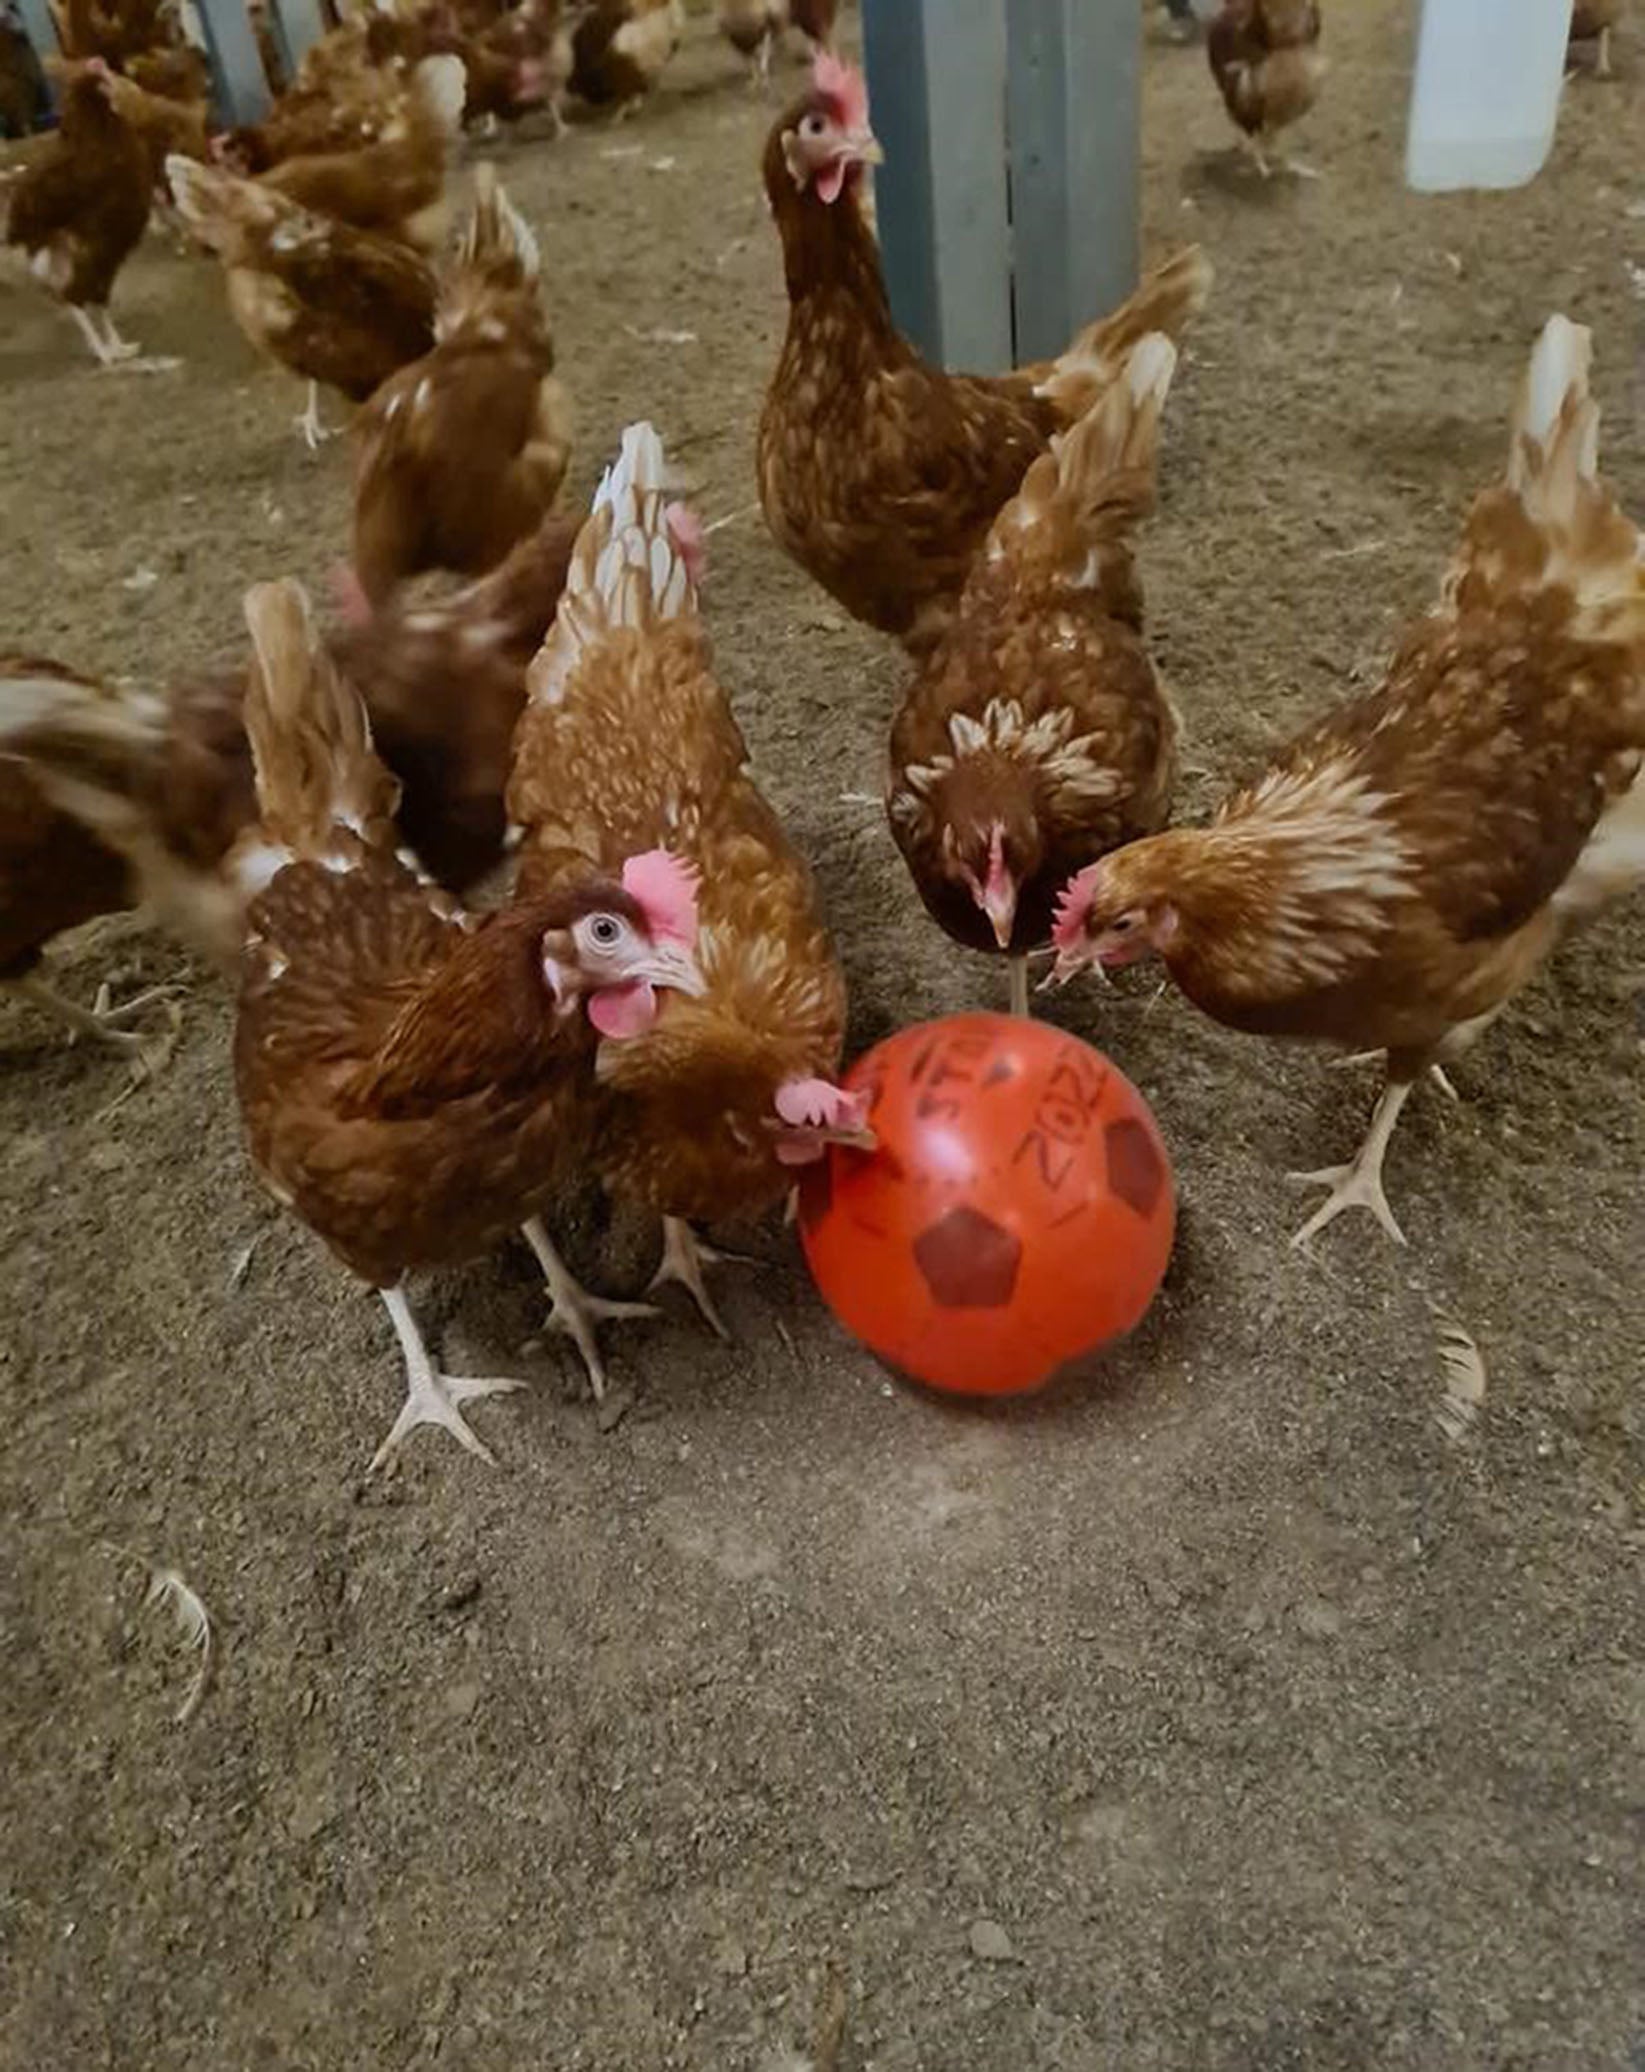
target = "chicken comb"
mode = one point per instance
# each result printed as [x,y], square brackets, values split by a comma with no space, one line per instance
[685,529]
[819,1104]
[843,87]
[664,887]
[1073,904]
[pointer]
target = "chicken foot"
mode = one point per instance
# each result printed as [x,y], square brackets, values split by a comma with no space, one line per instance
[686,1256]
[432,1397]
[572,1309]
[312,432]
[102,1022]
[1359,1184]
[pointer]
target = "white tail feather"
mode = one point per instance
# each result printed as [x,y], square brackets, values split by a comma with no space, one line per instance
[629,570]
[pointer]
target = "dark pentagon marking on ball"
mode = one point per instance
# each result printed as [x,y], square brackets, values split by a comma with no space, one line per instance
[1002,1070]
[1136,1172]
[968,1260]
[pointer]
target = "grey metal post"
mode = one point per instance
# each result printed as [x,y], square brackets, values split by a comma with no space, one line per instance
[236,62]
[1075,129]
[41,31]
[936,83]
[297,26]
[39,27]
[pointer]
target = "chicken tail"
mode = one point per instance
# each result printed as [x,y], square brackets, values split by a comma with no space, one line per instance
[93,750]
[636,564]
[496,242]
[1164,301]
[1578,539]
[310,740]
[1100,472]
[218,207]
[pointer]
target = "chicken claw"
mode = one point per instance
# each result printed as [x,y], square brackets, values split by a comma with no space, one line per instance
[433,1398]
[685,1255]
[1358,1185]
[102,1022]
[314,433]
[572,1309]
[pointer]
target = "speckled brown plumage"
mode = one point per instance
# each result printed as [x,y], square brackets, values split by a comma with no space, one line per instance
[1404,866]
[618,47]
[629,742]
[1039,713]
[406,1081]
[879,474]
[80,207]
[404,1089]
[333,304]
[463,452]
[1265,58]
[444,680]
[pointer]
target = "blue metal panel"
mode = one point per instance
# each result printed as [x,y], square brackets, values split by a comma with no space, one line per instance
[298,25]
[236,62]
[936,80]
[1075,96]
[41,31]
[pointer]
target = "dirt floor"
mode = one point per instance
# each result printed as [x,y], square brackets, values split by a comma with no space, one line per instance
[1228,1715]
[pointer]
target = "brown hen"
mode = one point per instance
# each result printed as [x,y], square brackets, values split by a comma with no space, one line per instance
[879,474]
[1266,60]
[415,1082]
[1037,737]
[462,452]
[1407,864]
[336,305]
[628,740]
[80,207]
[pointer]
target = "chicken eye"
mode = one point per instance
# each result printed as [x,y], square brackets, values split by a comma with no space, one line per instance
[1122,926]
[605,932]
[813,126]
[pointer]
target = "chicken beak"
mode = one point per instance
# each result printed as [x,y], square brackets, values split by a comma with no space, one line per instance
[861,1138]
[1070,963]
[865,147]
[999,903]
[671,964]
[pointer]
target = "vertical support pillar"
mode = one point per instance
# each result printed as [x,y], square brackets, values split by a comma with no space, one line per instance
[936,84]
[1075,129]
[41,30]
[236,63]
[298,25]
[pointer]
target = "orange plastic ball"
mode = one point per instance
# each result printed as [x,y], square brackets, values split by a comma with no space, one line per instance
[1018,1213]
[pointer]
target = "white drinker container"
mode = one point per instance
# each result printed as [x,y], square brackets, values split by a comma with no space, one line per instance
[1486,94]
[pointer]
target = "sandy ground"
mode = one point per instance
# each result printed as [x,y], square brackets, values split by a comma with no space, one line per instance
[1265,1726]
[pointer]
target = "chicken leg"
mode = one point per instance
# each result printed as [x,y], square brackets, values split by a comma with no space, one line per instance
[1019,987]
[432,1397]
[685,1256]
[313,433]
[102,1022]
[1359,1185]
[572,1309]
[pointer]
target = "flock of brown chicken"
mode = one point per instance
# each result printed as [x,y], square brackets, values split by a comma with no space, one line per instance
[656,1000]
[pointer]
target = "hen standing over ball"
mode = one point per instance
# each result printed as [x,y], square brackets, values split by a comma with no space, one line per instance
[415,1082]
[1266,60]
[1037,736]
[1407,864]
[879,474]
[629,740]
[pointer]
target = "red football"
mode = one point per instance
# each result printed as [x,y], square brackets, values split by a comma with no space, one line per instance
[1018,1212]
